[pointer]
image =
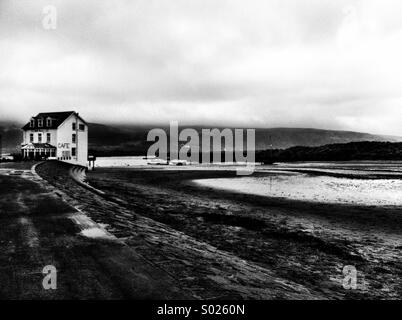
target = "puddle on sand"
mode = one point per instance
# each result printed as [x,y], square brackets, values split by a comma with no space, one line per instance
[95,233]
[90,229]
[323,189]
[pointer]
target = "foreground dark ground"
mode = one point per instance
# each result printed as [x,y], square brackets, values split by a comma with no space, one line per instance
[200,269]
[37,230]
[306,243]
[194,243]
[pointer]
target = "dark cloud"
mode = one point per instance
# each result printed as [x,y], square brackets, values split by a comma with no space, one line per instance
[313,63]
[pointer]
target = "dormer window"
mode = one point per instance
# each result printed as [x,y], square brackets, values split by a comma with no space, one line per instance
[40,123]
[32,123]
[48,122]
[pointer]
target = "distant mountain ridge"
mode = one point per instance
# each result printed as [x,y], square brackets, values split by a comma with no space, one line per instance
[10,137]
[283,138]
[131,140]
[125,139]
[352,151]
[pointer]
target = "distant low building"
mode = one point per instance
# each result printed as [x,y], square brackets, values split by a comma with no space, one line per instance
[56,135]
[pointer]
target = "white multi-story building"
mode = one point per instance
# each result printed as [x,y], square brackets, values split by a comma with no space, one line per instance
[56,135]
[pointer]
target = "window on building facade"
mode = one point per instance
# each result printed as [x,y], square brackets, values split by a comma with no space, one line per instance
[48,122]
[82,127]
[40,123]
[74,126]
[74,138]
[31,137]
[66,155]
[32,124]
[39,137]
[48,137]
[73,152]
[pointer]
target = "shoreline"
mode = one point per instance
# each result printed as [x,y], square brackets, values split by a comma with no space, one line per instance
[261,229]
[225,245]
[201,269]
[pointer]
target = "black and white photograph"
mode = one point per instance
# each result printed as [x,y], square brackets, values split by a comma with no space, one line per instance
[208,152]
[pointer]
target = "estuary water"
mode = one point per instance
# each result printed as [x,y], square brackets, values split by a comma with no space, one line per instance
[355,183]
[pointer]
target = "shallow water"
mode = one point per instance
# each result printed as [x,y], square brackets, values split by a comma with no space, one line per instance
[322,188]
[355,168]
[120,161]
[141,162]
[283,180]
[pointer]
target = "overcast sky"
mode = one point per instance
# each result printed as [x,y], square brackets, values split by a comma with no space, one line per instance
[314,63]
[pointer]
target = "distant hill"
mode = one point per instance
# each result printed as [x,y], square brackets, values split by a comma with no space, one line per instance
[334,152]
[132,140]
[109,140]
[283,138]
[11,138]
[117,141]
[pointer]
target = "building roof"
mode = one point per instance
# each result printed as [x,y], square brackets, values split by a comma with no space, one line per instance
[57,119]
[38,146]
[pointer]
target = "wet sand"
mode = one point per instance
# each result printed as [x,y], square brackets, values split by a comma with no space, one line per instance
[303,242]
[200,269]
[312,187]
[220,244]
[38,229]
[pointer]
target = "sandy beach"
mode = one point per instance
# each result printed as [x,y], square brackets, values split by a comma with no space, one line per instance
[172,238]
[302,244]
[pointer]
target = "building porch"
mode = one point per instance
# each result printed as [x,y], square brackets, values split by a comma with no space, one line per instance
[38,151]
